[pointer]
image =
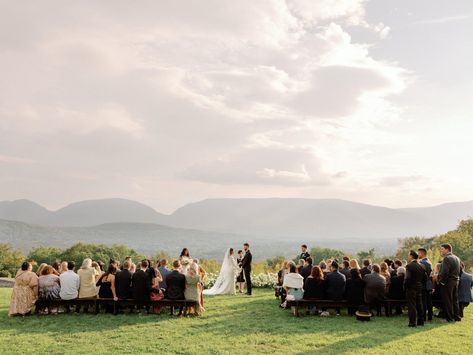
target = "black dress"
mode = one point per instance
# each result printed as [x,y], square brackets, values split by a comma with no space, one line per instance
[240,277]
[354,294]
[314,289]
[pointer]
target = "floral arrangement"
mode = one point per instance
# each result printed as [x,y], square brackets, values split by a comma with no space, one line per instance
[263,280]
[185,261]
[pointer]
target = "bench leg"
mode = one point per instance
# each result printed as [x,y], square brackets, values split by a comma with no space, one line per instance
[295,311]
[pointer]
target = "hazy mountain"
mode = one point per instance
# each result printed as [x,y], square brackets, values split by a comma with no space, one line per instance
[24,210]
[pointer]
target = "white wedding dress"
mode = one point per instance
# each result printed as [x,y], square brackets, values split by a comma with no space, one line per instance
[225,283]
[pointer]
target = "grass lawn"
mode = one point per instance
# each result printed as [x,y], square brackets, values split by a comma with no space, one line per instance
[232,324]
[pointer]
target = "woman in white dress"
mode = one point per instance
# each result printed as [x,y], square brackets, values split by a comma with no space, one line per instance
[225,283]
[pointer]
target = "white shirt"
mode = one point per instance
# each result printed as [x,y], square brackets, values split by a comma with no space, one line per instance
[69,285]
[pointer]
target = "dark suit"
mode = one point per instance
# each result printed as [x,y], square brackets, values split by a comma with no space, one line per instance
[246,266]
[375,288]
[427,290]
[176,283]
[141,286]
[305,271]
[414,282]
[354,293]
[364,271]
[123,284]
[449,277]
[335,285]
[304,256]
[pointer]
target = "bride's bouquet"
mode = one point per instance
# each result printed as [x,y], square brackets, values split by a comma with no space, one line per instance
[185,261]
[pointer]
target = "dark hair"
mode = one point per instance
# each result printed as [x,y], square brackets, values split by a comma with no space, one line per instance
[447,246]
[398,262]
[144,264]
[246,244]
[366,262]
[346,264]
[48,269]
[71,265]
[112,269]
[355,274]
[346,258]
[292,268]
[304,246]
[231,251]
[240,251]
[423,250]
[25,266]
[388,261]
[317,273]
[414,255]
[309,260]
[101,264]
[376,268]
[55,266]
[185,252]
[334,265]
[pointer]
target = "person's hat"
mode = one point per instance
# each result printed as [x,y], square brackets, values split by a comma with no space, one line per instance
[363,313]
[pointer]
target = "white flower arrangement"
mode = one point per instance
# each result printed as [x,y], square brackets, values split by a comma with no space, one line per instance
[262,280]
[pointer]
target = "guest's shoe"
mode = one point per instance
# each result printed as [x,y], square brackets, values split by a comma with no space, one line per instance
[420,324]
[458,319]
[412,325]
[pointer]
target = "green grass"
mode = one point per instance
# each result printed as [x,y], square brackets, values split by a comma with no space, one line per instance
[232,324]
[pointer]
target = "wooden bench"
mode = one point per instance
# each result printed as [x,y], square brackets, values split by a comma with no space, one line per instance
[388,304]
[96,303]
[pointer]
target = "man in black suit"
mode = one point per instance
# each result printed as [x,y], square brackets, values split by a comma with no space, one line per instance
[427,290]
[307,268]
[123,282]
[141,285]
[414,282]
[176,283]
[305,254]
[365,270]
[449,278]
[246,266]
[375,288]
[335,284]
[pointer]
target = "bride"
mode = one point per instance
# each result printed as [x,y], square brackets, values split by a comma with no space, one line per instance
[225,283]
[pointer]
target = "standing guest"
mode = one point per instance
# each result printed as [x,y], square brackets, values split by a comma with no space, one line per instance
[241,277]
[185,260]
[449,277]
[164,271]
[141,285]
[123,282]
[133,268]
[200,285]
[48,286]
[464,290]
[365,270]
[176,282]
[375,287]
[354,264]
[25,291]
[436,288]
[70,283]
[307,268]
[192,288]
[427,289]
[63,268]
[246,266]
[88,276]
[345,270]
[385,272]
[354,291]
[396,288]
[335,284]
[314,287]
[414,283]
[304,253]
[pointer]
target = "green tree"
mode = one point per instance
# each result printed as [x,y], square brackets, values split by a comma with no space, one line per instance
[318,254]
[46,255]
[370,254]
[10,260]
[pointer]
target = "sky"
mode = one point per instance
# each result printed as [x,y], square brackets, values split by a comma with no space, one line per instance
[171,102]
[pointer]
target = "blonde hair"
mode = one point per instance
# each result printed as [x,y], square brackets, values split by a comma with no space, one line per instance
[87,263]
[63,267]
[193,269]
[354,264]
[40,268]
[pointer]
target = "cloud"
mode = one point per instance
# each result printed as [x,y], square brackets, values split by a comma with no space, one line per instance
[396,181]
[443,20]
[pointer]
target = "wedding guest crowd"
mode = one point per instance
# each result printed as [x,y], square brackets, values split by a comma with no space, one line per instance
[119,282]
[413,281]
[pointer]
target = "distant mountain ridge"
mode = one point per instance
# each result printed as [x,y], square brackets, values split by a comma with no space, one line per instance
[279,219]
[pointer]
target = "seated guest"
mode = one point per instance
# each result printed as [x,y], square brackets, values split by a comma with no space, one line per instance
[375,287]
[164,271]
[385,272]
[365,270]
[176,283]
[300,266]
[40,269]
[323,267]
[396,287]
[123,282]
[354,291]
[395,265]
[141,285]
[48,286]
[354,264]
[464,289]
[307,268]
[106,284]
[63,267]
[335,284]
[280,291]
[25,291]
[314,285]
[192,288]
[70,283]
[293,284]
[345,270]
[88,276]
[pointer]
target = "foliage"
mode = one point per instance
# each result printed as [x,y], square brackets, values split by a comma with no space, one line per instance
[231,324]
[10,260]
[318,254]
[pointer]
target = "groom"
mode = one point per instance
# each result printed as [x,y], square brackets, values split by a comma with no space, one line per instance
[246,266]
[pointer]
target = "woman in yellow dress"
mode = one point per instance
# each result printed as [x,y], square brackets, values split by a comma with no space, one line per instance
[25,291]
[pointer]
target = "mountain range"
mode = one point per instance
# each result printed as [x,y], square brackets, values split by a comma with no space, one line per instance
[216,223]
